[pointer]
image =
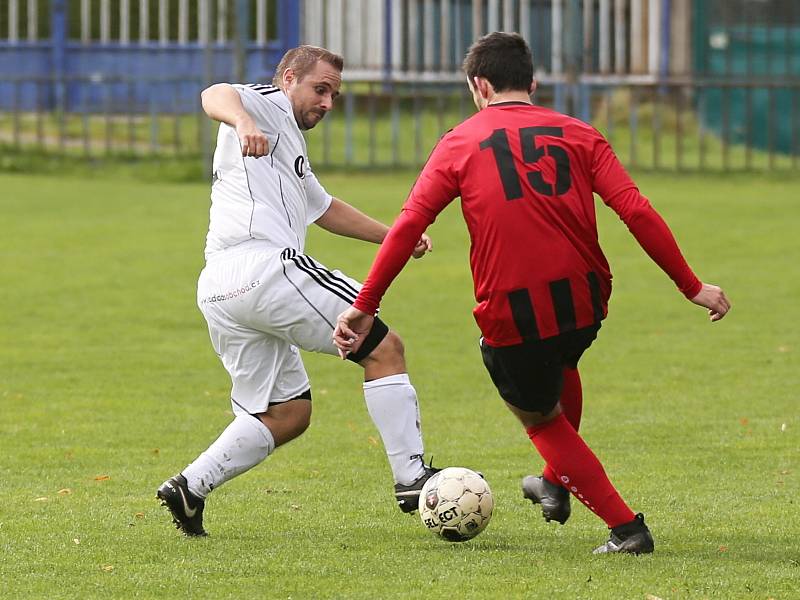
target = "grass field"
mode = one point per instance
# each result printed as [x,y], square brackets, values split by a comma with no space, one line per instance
[108,385]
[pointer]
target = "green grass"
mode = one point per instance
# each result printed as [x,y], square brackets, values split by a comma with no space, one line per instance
[108,385]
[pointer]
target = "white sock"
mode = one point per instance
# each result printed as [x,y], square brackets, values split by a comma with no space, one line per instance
[243,444]
[392,404]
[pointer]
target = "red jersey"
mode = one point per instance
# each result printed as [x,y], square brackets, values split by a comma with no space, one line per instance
[526,177]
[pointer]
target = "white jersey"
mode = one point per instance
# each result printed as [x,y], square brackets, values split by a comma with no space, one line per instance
[272,198]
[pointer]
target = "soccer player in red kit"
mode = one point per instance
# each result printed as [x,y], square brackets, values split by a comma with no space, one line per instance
[526,177]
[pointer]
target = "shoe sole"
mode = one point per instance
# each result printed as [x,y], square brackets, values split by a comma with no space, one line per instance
[623,550]
[635,547]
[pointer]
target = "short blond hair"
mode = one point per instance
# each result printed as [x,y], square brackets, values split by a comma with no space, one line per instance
[303,59]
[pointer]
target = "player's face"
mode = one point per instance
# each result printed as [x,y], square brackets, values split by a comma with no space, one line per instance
[312,96]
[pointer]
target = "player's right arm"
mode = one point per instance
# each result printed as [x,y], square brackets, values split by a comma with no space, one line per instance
[223,103]
[434,189]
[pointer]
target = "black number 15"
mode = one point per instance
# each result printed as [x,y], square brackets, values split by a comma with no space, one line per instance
[501,149]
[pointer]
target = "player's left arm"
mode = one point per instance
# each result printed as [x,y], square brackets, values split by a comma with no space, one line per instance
[343,219]
[619,192]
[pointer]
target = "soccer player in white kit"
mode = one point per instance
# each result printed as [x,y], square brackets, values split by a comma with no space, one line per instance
[264,299]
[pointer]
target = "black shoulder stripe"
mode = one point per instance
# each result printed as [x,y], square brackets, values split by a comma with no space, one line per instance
[263,89]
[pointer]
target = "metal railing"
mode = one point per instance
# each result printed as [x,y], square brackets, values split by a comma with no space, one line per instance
[670,126]
[700,90]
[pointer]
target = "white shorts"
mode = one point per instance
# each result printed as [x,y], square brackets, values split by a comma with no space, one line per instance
[263,303]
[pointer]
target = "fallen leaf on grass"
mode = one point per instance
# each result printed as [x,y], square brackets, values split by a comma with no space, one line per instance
[64,492]
[372,440]
[744,421]
[723,548]
[107,568]
[139,515]
[102,477]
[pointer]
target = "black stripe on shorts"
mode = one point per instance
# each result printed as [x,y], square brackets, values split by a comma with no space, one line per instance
[324,278]
[329,276]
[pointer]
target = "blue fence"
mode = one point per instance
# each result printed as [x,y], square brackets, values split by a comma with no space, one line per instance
[701,89]
[164,76]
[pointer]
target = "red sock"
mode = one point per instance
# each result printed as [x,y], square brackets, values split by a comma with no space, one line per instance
[572,397]
[572,406]
[579,470]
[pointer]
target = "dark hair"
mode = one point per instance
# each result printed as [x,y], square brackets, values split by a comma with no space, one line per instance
[303,59]
[502,58]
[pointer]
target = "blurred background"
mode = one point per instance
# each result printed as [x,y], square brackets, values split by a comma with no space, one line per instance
[675,84]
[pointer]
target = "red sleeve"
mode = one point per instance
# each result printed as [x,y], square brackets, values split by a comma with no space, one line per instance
[437,183]
[435,187]
[618,191]
[392,256]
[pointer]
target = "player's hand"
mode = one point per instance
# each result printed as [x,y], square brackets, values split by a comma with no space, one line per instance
[423,246]
[252,139]
[352,326]
[713,298]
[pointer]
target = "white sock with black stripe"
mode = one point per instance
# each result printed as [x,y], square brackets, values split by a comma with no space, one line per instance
[392,404]
[244,443]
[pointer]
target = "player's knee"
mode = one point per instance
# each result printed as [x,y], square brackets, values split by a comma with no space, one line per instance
[290,428]
[369,348]
[301,415]
[392,345]
[387,358]
[301,423]
[288,420]
[533,416]
[390,350]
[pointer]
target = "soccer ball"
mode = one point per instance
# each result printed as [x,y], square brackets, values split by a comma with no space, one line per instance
[456,504]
